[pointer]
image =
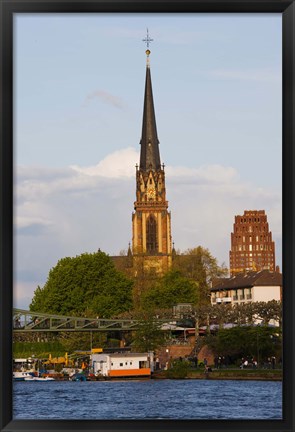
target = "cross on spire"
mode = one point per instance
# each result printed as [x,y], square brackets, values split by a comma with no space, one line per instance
[147,40]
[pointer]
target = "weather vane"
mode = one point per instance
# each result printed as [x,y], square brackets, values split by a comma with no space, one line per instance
[147,40]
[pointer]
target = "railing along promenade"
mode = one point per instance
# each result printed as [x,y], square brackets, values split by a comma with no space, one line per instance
[27,321]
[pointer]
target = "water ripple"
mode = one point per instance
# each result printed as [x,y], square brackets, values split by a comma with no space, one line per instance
[152,399]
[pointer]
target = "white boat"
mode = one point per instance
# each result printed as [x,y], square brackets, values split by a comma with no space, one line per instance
[43,379]
[22,376]
[26,376]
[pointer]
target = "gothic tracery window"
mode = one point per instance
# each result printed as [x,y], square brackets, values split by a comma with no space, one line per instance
[151,235]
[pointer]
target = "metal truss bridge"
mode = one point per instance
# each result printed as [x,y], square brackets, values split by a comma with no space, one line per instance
[26,321]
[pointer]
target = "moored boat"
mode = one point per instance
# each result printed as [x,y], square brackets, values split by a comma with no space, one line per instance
[41,379]
[22,376]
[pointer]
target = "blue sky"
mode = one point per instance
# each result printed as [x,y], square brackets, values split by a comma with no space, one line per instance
[78,100]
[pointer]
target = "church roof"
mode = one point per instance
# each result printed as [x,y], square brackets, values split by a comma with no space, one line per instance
[149,153]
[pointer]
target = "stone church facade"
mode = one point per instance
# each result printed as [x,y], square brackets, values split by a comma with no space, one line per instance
[151,220]
[151,250]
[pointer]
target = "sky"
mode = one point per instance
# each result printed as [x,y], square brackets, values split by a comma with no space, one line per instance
[78,105]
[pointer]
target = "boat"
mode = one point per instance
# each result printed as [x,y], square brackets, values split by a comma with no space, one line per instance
[78,377]
[22,376]
[29,376]
[123,365]
[41,379]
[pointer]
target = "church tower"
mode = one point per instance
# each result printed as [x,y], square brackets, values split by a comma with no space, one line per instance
[151,221]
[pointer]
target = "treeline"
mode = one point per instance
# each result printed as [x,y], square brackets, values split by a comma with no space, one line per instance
[244,313]
[249,342]
[90,285]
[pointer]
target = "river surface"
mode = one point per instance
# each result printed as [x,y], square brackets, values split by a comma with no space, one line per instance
[149,399]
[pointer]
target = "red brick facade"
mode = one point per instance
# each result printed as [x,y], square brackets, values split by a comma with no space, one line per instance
[252,247]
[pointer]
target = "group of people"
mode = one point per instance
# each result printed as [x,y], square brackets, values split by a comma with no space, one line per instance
[248,363]
[271,362]
[221,361]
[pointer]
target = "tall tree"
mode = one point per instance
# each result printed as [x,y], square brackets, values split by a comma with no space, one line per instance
[87,284]
[199,265]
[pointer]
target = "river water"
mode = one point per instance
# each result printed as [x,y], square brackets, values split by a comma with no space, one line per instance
[148,399]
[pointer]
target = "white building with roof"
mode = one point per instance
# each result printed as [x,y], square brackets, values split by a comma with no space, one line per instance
[262,286]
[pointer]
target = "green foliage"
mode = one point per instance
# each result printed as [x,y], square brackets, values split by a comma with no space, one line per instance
[239,314]
[178,369]
[169,290]
[243,341]
[199,265]
[86,285]
[267,311]
[149,336]
[38,349]
[76,341]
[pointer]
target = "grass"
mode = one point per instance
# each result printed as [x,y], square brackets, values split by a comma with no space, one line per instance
[271,374]
[230,373]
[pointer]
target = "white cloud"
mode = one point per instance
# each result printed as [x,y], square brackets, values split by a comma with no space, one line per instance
[90,207]
[33,185]
[25,221]
[116,165]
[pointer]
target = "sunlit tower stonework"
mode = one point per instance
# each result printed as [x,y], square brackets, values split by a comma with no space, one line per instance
[252,247]
[151,221]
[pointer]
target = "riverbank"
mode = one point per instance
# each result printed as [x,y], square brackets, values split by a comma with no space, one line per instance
[227,374]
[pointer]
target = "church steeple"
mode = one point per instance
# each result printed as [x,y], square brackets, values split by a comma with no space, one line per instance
[149,152]
[151,221]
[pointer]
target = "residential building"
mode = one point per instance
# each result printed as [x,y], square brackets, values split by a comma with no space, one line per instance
[262,286]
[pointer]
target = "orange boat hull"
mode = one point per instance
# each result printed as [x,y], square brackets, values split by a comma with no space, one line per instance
[116,373]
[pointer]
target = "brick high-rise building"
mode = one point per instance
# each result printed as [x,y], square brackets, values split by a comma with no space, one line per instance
[252,247]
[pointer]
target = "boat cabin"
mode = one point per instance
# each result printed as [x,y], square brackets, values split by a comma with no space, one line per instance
[121,365]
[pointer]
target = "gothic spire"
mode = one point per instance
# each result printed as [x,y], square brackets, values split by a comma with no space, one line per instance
[149,152]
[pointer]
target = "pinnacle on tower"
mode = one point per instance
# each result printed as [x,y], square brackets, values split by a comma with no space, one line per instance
[149,153]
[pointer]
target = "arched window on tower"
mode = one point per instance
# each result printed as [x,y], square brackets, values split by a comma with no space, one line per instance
[151,235]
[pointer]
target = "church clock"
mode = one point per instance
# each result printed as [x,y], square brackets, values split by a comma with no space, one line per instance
[151,193]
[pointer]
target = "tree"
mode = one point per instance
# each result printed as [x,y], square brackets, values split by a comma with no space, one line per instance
[239,314]
[267,311]
[199,265]
[87,284]
[149,335]
[80,341]
[259,342]
[170,289]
